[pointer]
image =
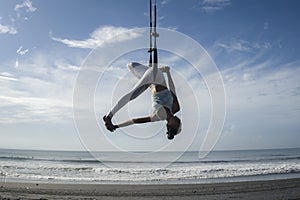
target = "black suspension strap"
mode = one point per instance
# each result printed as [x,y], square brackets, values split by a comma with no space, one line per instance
[150,49]
[155,35]
[153,60]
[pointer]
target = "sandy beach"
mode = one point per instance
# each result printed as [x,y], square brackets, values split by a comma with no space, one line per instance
[274,189]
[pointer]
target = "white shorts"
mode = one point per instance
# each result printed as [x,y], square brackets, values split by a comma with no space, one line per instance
[160,100]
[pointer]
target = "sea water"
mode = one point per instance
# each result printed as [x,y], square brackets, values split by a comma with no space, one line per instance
[118,167]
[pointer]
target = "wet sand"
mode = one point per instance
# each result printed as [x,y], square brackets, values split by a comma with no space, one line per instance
[274,189]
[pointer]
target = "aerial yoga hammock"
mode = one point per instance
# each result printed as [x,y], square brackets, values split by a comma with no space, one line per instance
[164,100]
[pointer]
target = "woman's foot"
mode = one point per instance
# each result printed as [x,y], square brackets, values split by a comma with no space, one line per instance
[108,124]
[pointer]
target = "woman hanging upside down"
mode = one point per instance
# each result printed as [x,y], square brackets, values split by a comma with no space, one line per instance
[164,100]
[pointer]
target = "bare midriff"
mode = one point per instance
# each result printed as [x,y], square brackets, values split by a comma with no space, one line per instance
[158,88]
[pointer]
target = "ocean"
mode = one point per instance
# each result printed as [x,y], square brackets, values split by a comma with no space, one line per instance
[118,168]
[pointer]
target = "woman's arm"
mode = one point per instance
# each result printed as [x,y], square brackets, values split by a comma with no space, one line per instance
[176,106]
[171,84]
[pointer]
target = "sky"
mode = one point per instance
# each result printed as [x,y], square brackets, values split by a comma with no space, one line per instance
[254,44]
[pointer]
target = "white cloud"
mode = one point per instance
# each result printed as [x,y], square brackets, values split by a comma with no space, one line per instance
[27,4]
[173,28]
[99,36]
[33,109]
[214,5]
[256,89]
[237,45]
[68,67]
[266,26]
[17,63]
[164,2]
[42,92]
[242,45]
[247,77]
[7,29]
[22,52]
[11,29]
[161,18]
[262,94]
[262,99]
[6,76]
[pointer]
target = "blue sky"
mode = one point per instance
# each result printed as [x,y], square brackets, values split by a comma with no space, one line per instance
[255,45]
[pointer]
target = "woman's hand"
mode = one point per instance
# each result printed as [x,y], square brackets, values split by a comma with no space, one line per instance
[165,69]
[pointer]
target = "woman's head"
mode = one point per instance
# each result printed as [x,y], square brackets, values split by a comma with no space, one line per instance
[173,127]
